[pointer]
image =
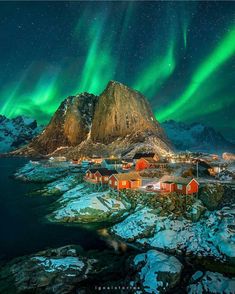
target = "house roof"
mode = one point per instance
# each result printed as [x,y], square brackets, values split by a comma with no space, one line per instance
[94,170]
[128,176]
[144,154]
[107,172]
[128,160]
[176,180]
[113,161]
[149,160]
[219,164]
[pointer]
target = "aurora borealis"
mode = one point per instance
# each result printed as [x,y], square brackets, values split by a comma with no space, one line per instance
[180,55]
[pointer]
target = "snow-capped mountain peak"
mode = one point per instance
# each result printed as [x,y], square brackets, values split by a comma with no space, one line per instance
[196,137]
[17,132]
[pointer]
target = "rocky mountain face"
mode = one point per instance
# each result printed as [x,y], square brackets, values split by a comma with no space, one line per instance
[69,126]
[118,122]
[121,111]
[17,132]
[196,137]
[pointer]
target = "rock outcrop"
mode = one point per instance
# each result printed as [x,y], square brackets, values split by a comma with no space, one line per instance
[157,272]
[69,126]
[210,282]
[211,195]
[212,236]
[118,122]
[50,271]
[80,205]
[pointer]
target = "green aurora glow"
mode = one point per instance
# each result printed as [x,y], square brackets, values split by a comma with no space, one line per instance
[224,51]
[153,49]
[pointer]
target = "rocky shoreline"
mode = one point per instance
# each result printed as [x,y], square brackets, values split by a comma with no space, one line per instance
[168,242]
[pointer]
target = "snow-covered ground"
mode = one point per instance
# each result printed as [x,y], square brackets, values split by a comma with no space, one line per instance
[59,264]
[210,282]
[55,270]
[44,171]
[137,225]
[212,236]
[158,272]
[61,185]
[82,205]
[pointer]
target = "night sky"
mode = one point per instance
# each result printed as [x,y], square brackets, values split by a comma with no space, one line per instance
[180,55]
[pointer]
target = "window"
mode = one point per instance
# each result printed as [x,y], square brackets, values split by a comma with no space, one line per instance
[124,183]
[189,188]
[115,183]
[110,182]
[179,186]
[106,178]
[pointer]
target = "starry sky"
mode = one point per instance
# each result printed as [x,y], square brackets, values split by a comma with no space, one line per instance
[180,55]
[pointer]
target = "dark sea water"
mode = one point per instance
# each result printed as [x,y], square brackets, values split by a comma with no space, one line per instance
[23,229]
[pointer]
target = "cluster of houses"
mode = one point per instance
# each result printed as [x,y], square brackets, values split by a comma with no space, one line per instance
[179,185]
[113,179]
[124,174]
[120,173]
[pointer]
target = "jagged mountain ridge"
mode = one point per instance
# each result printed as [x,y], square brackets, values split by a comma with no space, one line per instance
[69,125]
[17,132]
[196,137]
[119,121]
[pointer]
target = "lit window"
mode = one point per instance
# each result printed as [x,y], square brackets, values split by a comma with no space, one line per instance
[189,188]
[124,183]
[115,183]
[106,178]
[110,182]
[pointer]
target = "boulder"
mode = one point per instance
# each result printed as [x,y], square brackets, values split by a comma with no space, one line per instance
[210,282]
[139,224]
[195,211]
[51,271]
[211,195]
[156,271]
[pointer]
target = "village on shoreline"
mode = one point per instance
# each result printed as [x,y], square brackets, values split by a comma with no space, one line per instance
[181,173]
[177,210]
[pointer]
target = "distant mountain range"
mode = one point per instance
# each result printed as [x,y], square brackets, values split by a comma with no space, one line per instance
[196,137]
[17,132]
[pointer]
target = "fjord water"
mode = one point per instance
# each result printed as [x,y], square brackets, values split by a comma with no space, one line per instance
[23,228]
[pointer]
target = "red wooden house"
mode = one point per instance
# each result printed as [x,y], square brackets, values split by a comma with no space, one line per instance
[102,175]
[125,181]
[145,163]
[90,174]
[185,186]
